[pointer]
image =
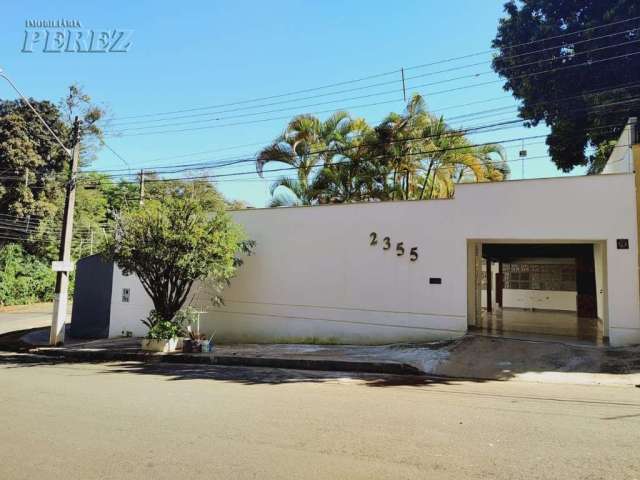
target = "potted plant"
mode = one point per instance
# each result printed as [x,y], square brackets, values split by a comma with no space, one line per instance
[163,335]
[194,342]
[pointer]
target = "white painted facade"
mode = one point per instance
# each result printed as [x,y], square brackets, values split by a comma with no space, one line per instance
[621,158]
[127,315]
[315,277]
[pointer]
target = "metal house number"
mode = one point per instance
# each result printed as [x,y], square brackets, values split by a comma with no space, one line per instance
[400,249]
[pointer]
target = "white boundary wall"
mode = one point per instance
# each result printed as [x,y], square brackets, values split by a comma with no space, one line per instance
[127,316]
[314,276]
[621,158]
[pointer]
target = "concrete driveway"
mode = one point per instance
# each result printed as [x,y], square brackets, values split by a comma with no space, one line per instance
[22,317]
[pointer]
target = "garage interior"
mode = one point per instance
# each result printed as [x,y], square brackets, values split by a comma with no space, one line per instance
[540,289]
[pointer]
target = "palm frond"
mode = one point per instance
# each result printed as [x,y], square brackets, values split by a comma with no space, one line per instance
[277,152]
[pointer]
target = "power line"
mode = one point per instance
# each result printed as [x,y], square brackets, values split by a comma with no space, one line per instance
[134,122]
[341,150]
[396,71]
[405,140]
[207,165]
[426,152]
[589,63]
[114,152]
[397,99]
[437,113]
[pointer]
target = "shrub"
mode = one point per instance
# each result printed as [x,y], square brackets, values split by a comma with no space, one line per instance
[173,243]
[165,330]
[24,278]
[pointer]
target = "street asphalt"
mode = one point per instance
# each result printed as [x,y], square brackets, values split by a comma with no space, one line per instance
[22,317]
[161,421]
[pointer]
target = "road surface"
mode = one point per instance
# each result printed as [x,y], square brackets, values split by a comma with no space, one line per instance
[22,317]
[136,421]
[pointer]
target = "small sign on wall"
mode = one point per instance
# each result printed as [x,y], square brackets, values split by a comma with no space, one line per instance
[622,243]
[125,295]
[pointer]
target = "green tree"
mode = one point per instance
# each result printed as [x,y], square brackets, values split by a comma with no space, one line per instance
[398,144]
[571,97]
[30,159]
[306,142]
[173,243]
[426,157]
[35,167]
[24,278]
[412,155]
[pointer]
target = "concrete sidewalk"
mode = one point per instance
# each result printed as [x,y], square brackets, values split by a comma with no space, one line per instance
[473,357]
[302,357]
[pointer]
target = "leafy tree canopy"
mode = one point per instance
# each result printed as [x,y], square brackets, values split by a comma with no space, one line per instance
[30,158]
[34,165]
[23,277]
[585,95]
[174,242]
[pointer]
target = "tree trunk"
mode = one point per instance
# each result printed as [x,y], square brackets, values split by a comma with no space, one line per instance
[406,193]
[426,179]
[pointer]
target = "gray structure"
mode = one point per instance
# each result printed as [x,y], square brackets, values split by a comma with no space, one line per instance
[92,298]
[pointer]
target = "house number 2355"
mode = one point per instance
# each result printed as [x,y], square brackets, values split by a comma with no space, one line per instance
[400,249]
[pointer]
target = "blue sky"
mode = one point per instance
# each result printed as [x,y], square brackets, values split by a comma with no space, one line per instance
[196,54]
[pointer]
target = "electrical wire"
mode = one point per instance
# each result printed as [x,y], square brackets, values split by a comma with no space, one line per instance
[342,150]
[473,75]
[439,112]
[183,130]
[426,152]
[439,62]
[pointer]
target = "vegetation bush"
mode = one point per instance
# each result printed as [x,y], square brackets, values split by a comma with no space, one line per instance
[161,329]
[173,243]
[23,277]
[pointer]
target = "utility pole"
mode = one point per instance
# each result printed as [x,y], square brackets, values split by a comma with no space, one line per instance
[141,186]
[63,266]
[523,156]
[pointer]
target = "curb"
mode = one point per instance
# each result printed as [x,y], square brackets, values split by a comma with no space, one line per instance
[391,368]
[12,341]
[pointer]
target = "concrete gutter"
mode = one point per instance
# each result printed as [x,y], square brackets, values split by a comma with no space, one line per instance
[473,357]
[88,355]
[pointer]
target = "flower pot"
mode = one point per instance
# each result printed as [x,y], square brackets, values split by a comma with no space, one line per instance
[153,345]
[191,346]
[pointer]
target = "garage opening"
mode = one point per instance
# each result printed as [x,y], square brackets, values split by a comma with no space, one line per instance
[551,289]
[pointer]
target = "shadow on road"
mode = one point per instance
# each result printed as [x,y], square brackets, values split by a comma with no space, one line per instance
[262,375]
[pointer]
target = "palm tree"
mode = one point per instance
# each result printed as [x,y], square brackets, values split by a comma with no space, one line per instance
[485,163]
[399,143]
[413,155]
[293,192]
[457,161]
[306,142]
